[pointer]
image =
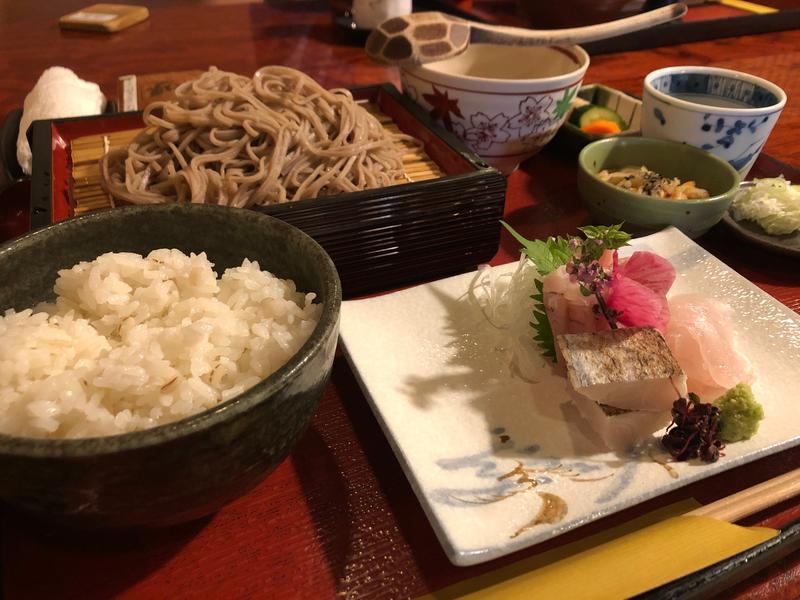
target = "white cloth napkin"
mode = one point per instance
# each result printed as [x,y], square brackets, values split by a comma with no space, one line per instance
[368,14]
[58,93]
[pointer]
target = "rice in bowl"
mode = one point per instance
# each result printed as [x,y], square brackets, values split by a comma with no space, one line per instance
[133,342]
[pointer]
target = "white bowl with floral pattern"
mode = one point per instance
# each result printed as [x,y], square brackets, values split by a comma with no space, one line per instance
[505,102]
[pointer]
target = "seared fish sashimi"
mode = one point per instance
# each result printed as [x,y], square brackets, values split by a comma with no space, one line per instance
[629,369]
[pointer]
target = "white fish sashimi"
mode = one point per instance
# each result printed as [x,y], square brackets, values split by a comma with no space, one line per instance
[703,340]
[567,309]
[620,431]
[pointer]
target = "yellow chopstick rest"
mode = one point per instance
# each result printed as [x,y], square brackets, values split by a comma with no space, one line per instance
[748,6]
[623,567]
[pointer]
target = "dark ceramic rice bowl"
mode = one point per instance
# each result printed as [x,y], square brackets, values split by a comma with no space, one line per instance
[192,467]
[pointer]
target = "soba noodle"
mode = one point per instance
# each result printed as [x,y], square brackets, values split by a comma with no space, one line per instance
[237,141]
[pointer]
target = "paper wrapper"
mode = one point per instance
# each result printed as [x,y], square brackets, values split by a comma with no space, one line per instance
[619,563]
[58,93]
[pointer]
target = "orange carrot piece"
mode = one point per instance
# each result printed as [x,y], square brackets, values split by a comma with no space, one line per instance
[601,126]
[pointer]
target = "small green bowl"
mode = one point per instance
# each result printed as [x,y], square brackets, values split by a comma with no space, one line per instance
[609,204]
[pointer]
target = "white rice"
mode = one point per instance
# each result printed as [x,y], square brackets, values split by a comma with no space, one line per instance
[135,342]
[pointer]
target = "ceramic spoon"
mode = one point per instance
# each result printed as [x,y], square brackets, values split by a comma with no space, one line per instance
[425,37]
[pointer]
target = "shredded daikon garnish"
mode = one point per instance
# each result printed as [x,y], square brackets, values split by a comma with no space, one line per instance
[773,203]
[505,302]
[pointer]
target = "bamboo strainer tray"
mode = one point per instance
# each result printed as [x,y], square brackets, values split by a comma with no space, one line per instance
[442,217]
[86,193]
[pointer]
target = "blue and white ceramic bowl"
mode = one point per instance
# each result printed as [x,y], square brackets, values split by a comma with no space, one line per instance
[728,113]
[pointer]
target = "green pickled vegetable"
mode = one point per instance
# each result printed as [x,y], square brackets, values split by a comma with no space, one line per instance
[740,413]
[584,116]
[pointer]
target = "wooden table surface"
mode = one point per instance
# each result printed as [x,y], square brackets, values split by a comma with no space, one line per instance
[338,518]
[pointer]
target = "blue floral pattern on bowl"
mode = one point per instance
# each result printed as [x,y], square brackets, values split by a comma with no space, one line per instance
[748,94]
[730,116]
[728,130]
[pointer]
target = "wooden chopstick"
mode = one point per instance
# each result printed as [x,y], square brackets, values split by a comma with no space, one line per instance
[754,499]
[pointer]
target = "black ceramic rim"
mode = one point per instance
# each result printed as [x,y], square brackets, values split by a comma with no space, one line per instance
[751,232]
[329,320]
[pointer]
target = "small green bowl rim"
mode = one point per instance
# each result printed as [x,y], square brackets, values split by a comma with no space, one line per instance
[700,153]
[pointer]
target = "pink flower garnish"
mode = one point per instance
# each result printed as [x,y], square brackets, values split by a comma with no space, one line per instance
[651,270]
[639,289]
[638,304]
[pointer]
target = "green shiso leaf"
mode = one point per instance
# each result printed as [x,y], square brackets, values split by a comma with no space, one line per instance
[554,252]
[610,238]
[544,335]
[546,255]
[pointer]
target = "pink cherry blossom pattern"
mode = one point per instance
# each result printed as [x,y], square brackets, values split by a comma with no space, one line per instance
[533,114]
[486,130]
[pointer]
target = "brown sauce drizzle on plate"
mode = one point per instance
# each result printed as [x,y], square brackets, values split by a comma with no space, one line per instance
[672,472]
[552,510]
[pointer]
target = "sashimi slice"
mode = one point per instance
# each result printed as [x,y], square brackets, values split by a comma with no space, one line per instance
[567,309]
[628,369]
[651,270]
[620,431]
[704,342]
[607,260]
[638,305]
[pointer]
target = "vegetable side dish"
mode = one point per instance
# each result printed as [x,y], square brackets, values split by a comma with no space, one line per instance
[598,120]
[642,180]
[773,203]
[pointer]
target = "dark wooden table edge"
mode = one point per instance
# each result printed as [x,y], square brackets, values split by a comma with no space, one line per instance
[670,34]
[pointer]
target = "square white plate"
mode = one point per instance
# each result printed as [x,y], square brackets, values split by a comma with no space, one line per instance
[485,451]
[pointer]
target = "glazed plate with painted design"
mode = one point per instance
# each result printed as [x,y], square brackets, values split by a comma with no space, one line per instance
[500,461]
